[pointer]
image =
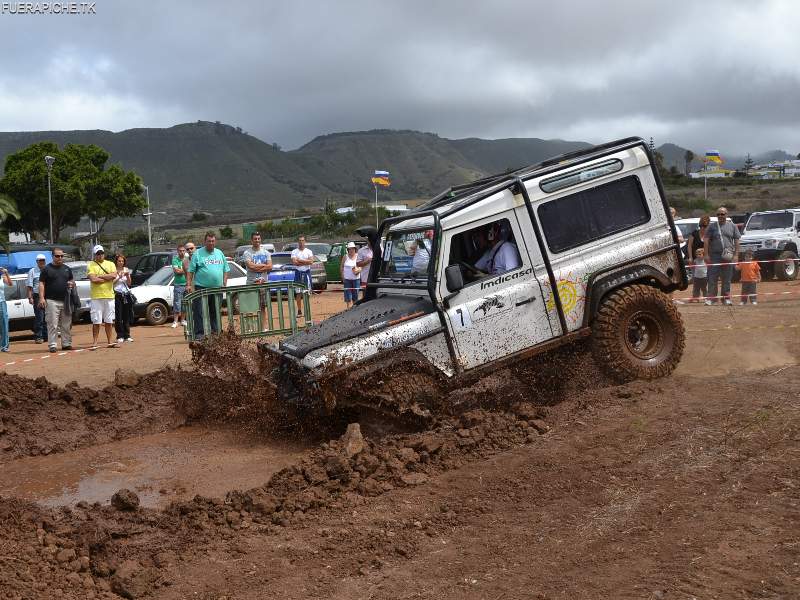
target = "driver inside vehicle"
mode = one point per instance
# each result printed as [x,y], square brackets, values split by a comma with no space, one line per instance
[502,254]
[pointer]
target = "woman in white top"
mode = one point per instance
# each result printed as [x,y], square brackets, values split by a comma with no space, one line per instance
[123,301]
[351,275]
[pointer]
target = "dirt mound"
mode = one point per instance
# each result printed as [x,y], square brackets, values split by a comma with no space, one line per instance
[103,550]
[231,383]
[37,417]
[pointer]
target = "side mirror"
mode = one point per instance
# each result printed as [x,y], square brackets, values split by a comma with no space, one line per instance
[453,278]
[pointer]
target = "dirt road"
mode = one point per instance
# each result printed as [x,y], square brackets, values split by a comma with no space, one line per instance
[681,488]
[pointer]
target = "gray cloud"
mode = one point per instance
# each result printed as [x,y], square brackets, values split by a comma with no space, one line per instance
[712,74]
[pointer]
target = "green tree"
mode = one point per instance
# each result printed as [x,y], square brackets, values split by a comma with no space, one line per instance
[748,163]
[81,186]
[199,217]
[688,157]
[8,210]
[226,232]
[138,237]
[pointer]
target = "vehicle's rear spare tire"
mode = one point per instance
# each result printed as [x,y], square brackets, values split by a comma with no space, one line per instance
[638,334]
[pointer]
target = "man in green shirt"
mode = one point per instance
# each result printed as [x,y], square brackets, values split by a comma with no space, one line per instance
[178,287]
[208,269]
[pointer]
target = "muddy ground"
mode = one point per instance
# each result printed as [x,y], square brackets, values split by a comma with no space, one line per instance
[684,487]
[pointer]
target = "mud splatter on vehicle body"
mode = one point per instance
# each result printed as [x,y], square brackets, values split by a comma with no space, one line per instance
[514,265]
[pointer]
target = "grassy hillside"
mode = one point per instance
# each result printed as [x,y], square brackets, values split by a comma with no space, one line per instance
[235,177]
[739,195]
[421,164]
[197,167]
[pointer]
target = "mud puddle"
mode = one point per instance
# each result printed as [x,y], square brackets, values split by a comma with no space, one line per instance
[160,468]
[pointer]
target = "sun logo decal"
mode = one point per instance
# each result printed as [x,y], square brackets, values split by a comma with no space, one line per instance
[572,293]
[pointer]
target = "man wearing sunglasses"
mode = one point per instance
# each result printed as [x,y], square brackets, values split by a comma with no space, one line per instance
[722,250]
[55,282]
[102,274]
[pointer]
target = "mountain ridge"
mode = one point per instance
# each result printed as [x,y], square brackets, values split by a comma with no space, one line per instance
[219,169]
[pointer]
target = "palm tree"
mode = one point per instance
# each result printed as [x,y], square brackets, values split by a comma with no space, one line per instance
[8,208]
[688,157]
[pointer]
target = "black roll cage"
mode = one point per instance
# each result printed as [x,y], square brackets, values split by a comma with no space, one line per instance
[476,191]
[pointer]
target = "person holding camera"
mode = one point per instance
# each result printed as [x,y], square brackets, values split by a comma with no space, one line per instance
[722,251]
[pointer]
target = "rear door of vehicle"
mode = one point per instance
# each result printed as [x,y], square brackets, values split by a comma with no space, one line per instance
[333,263]
[17,300]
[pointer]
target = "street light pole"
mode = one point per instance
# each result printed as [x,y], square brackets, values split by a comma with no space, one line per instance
[148,214]
[49,160]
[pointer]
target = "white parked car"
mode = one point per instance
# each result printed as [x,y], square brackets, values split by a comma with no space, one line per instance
[20,311]
[154,296]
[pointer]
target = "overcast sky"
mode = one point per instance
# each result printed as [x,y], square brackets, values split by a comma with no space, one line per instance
[700,74]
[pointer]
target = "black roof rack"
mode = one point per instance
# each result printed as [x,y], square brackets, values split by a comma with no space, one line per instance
[512,177]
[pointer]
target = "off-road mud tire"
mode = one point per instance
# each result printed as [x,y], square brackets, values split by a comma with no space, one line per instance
[637,334]
[156,313]
[787,270]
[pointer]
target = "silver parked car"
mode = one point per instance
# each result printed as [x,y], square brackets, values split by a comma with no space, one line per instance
[79,272]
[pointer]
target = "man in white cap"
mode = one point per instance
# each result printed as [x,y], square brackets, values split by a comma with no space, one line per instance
[39,331]
[102,274]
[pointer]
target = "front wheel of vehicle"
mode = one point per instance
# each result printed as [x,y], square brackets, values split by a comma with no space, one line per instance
[786,270]
[156,313]
[638,334]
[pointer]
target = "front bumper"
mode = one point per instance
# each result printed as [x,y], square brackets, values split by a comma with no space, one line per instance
[139,310]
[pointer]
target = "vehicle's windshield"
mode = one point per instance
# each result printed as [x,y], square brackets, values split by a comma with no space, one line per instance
[78,271]
[319,248]
[406,256]
[281,259]
[781,220]
[161,277]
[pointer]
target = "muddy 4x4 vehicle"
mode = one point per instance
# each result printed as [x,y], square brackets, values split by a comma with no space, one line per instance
[493,272]
[774,235]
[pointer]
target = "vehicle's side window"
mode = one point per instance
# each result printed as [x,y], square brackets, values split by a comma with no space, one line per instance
[145,265]
[12,292]
[163,260]
[486,250]
[580,218]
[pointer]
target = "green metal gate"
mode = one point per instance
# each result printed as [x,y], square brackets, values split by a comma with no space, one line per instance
[278,300]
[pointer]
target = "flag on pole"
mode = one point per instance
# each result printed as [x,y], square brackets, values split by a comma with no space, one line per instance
[381,178]
[713,156]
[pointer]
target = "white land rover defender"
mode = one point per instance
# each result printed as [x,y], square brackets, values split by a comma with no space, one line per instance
[774,236]
[499,270]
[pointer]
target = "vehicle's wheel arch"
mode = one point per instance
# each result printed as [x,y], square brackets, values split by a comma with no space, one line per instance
[791,247]
[604,284]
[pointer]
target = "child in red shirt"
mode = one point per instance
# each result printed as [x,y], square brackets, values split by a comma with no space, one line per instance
[751,275]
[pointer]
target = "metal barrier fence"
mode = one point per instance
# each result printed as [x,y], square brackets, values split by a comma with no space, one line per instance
[247,308]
